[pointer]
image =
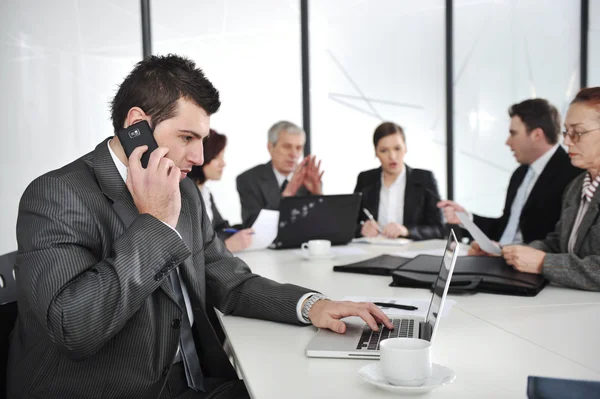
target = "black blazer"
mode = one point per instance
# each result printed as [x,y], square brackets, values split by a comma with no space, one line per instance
[421,214]
[258,189]
[541,211]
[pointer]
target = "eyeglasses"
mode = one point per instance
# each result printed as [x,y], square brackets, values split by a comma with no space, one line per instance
[575,136]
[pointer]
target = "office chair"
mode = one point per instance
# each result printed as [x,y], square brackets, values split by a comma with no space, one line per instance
[8,311]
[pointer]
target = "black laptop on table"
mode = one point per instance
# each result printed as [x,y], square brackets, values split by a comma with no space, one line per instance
[317,217]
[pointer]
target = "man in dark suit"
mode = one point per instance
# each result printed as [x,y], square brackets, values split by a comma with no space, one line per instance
[533,199]
[116,263]
[263,186]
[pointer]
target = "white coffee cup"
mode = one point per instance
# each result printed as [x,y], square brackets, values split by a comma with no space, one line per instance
[405,361]
[317,247]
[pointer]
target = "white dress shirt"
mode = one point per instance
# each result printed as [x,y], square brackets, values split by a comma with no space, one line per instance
[207,201]
[281,177]
[391,201]
[537,167]
[188,305]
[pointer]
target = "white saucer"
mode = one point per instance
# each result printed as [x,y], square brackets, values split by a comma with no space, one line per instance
[328,256]
[440,376]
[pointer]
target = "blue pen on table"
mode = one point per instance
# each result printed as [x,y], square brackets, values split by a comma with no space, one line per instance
[370,216]
[230,230]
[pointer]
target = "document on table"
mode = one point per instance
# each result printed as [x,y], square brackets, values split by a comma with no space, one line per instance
[421,304]
[484,242]
[382,240]
[265,229]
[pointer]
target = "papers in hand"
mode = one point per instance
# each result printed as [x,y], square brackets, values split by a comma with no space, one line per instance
[484,242]
[265,229]
[382,240]
[421,304]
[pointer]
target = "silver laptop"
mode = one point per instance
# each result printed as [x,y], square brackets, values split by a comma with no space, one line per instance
[360,342]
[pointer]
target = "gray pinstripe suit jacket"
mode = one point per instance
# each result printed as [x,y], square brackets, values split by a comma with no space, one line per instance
[580,269]
[96,311]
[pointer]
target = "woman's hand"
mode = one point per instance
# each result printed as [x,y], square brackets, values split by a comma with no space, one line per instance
[395,230]
[240,240]
[524,259]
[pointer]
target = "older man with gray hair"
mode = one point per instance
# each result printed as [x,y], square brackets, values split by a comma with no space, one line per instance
[263,186]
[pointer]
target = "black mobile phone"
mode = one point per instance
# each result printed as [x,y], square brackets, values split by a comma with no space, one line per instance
[137,135]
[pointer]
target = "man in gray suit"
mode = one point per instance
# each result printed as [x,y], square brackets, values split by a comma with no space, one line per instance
[116,263]
[263,186]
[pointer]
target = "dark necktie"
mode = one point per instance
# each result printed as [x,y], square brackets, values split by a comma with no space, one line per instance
[284,185]
[193,372]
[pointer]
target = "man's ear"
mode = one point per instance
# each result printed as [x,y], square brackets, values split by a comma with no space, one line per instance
[135,114]
[270,147]
[538,134]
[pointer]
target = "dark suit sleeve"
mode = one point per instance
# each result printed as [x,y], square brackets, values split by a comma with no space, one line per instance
[79,298]
[250,199]
[430,226]
[218,223]
[234,289]
[358,189]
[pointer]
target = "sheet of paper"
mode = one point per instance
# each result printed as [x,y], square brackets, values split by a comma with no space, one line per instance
[484,242]
[265,229]
[462,251]
[422,304]
[382,240]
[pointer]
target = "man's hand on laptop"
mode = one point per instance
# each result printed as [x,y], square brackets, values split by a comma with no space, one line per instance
[327,314]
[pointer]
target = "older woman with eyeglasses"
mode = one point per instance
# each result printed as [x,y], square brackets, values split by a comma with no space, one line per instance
[570,255]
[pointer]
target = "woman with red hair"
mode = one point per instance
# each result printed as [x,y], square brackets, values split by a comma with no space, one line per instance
[570,255]
[212,169]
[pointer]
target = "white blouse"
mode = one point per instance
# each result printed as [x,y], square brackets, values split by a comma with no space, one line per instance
[391,201]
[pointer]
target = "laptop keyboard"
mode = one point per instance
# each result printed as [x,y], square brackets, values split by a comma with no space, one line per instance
[370,340]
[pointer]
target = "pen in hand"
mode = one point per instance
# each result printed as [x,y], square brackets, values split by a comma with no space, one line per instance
[370,216]
[230,230]
[395,306]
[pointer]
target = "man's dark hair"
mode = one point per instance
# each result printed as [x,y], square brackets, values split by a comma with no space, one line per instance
[386,129]
[157,83]
[540,113]
[213,145]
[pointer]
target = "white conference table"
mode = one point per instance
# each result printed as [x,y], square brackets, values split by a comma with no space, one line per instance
[492,342]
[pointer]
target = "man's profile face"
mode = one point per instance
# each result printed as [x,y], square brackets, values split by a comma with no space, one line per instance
[519,141]
[287,151]
[183,135]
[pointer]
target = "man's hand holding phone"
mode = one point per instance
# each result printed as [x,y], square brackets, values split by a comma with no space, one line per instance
[155,189]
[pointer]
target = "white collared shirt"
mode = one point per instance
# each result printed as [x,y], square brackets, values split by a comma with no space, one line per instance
[281,177]
[207,201]
[391,201]
[122,169]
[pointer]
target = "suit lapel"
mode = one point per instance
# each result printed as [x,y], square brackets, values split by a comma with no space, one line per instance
[411,198]
[112,185]
[269,185]
[545,180]
[187,268]
[588,220]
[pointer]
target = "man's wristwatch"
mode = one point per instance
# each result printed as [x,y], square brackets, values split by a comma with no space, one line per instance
[309,303]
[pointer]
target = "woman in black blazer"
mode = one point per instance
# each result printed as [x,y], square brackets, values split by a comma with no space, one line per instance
[212,169]
[401,199]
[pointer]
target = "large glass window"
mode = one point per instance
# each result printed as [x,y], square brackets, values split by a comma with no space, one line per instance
[250,50]
[61,63]
[371,62]
[505,52]
[594,44]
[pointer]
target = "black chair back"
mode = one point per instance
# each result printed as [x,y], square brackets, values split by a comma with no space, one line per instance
[8,311]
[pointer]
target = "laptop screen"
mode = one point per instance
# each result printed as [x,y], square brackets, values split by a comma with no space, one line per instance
[440,287]
[325,217]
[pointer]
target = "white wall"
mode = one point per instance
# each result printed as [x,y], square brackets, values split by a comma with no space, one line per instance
[60,64]
[594,45]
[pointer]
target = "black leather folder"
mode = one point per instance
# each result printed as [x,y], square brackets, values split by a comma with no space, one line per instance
[382,265]
[558,388]
[471,274]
